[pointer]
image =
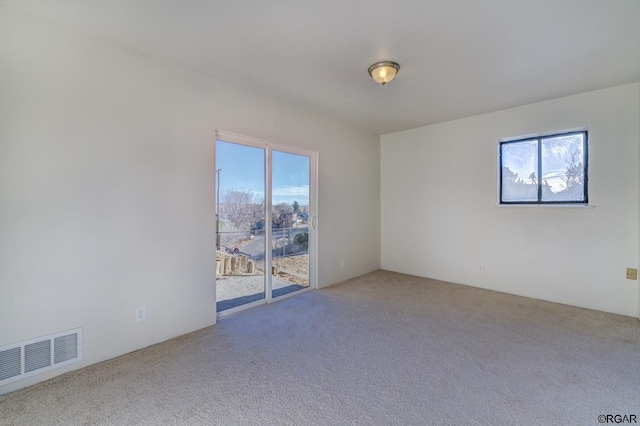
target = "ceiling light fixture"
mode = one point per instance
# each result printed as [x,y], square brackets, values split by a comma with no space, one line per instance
[384,71]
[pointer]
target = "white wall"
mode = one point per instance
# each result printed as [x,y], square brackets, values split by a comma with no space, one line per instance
[106,190]
[439,213]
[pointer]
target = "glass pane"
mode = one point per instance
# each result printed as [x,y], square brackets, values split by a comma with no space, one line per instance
[290,222]
[563,168]
[240,214]
[519,171]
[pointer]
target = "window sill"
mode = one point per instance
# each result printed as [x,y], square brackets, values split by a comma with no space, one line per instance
[553,206]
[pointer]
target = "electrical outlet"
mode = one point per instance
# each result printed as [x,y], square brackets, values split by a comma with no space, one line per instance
[342,263]
[141,313]
[632,274]
[480,268]
[395,254]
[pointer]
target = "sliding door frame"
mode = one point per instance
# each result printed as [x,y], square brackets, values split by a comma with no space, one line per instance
[313,211]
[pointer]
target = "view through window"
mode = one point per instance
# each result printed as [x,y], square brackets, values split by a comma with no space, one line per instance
[544,170]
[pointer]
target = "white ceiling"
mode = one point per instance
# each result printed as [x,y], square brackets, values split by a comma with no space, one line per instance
[458,57]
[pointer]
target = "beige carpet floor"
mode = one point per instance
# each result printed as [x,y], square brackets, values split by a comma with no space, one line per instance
[381,349]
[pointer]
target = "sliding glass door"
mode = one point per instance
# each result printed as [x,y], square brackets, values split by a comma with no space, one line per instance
[265,209]
[240,231]
[289,222]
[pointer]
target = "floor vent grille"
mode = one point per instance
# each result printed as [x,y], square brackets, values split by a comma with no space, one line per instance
[35,356]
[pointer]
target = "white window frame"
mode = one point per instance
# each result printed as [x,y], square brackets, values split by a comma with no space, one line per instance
[269,147]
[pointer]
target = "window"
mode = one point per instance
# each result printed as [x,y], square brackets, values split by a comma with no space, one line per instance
[548,169]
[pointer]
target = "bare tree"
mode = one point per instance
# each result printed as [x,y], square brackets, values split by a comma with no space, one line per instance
[241,209]
[573,175]
[281,215]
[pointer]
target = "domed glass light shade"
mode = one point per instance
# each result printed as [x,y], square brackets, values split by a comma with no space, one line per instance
[384,71]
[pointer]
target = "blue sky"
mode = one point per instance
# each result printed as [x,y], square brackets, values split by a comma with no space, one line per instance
[243,169]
